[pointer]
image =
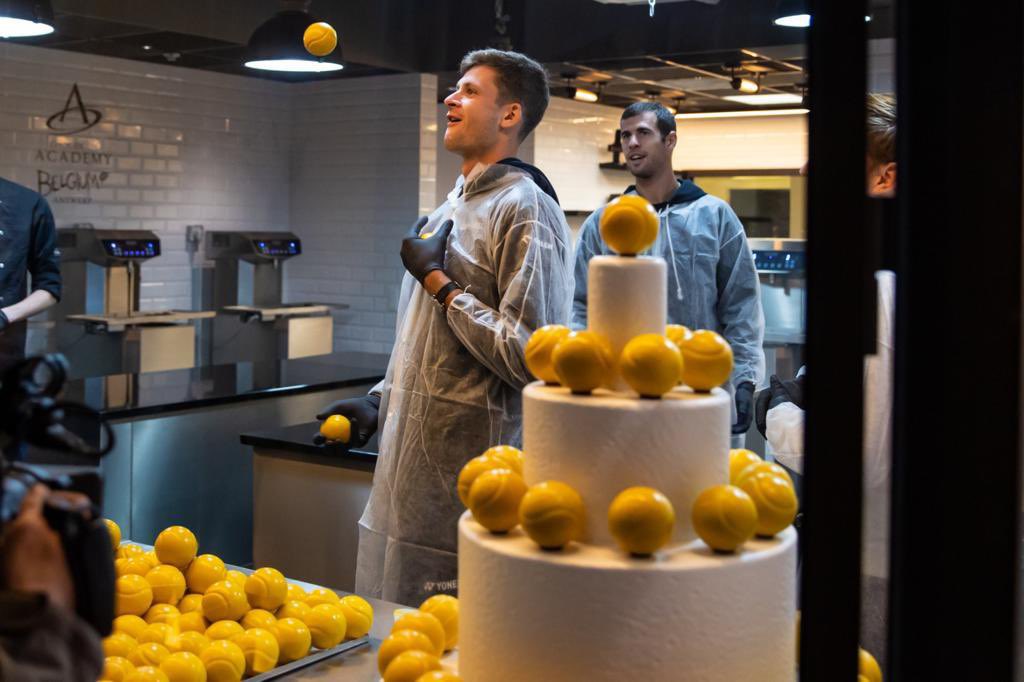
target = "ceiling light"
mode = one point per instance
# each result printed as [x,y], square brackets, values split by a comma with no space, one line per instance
[791,14]
[767,99]
[277,46]
[742,114]
[584,95]
[745,85]
[25,18]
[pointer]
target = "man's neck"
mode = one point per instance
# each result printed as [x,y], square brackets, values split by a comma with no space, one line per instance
[659,188]
[493,155]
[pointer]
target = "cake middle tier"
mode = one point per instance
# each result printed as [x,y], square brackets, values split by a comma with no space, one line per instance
[603,443]
[626,297]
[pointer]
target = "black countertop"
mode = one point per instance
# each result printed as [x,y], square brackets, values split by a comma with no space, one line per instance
[122,396]
[296,443]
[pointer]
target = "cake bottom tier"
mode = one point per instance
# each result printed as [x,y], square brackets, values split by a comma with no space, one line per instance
[592,613]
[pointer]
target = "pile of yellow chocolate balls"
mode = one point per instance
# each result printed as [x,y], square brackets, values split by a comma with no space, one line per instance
[418,639]
[652,364]
[759,500]
[187,618]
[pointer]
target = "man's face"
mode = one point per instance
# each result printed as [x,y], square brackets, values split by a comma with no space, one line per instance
[475,115]
[647,152]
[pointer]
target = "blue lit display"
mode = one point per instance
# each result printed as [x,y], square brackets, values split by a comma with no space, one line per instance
[780,261]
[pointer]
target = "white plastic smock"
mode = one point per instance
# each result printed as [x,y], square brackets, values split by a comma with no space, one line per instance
[453,383]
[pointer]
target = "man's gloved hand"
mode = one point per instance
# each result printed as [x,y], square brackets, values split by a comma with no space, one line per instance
[779,392]
[744,407]
[361,411]
[423,255]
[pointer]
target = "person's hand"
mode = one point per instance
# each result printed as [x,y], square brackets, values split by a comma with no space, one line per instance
[777,393]
[5,320]
[361,411]
[423,255]
[744,407]
[33,558]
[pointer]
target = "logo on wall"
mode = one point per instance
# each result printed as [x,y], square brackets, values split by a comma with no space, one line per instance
[75,117]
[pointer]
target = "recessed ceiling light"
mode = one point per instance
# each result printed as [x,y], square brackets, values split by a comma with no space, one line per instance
[147,47]
[584,95]
[794,21]
[766,99]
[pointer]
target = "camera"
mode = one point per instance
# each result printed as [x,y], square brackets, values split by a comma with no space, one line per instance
[32,414]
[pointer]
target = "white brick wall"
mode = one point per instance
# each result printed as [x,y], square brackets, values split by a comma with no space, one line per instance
[362,171]
[345,164]
[186,147]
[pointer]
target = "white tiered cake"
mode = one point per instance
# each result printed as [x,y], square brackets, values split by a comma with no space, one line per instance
[589,611]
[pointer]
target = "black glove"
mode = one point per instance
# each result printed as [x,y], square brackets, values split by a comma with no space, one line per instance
[779,392]
[422,256]
[361,411]
[744,407]
[4,321]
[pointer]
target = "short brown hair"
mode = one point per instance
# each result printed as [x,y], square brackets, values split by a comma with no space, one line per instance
[520,79]
[882,128]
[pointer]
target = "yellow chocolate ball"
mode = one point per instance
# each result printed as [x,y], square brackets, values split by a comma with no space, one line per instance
[147,673]
[162,613]
[150,653]
[762,466]
[176,546]
[439,676]
[238,577]
[190,603]
[192,621]
[116,668]
[132,565]
[293,639]
[494,499]
[775,501]
[168,584]
[204,571]
[641,520]
[677,333]
[293,609]
[651,365]
[410,665]
[336,429]
[266,589]
[327,625]
[128,549]
[183,667]
[322,595]
[740,459]
[629,224]
[724,517]
[427,623]
[192,642]
[224,661]
[707,360]
[868,666]
[539,349]
[151,558]
[115,534]
[399,641]
[156,632]
[512,457]
[358,615]
[260,648]
[446,609]
[224,629]
[552,514]
[119,644]
[134,595]
[320,39]
[295,593]
[224,600]
[472,469]
[130,625]
[258,618]
[583,361]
